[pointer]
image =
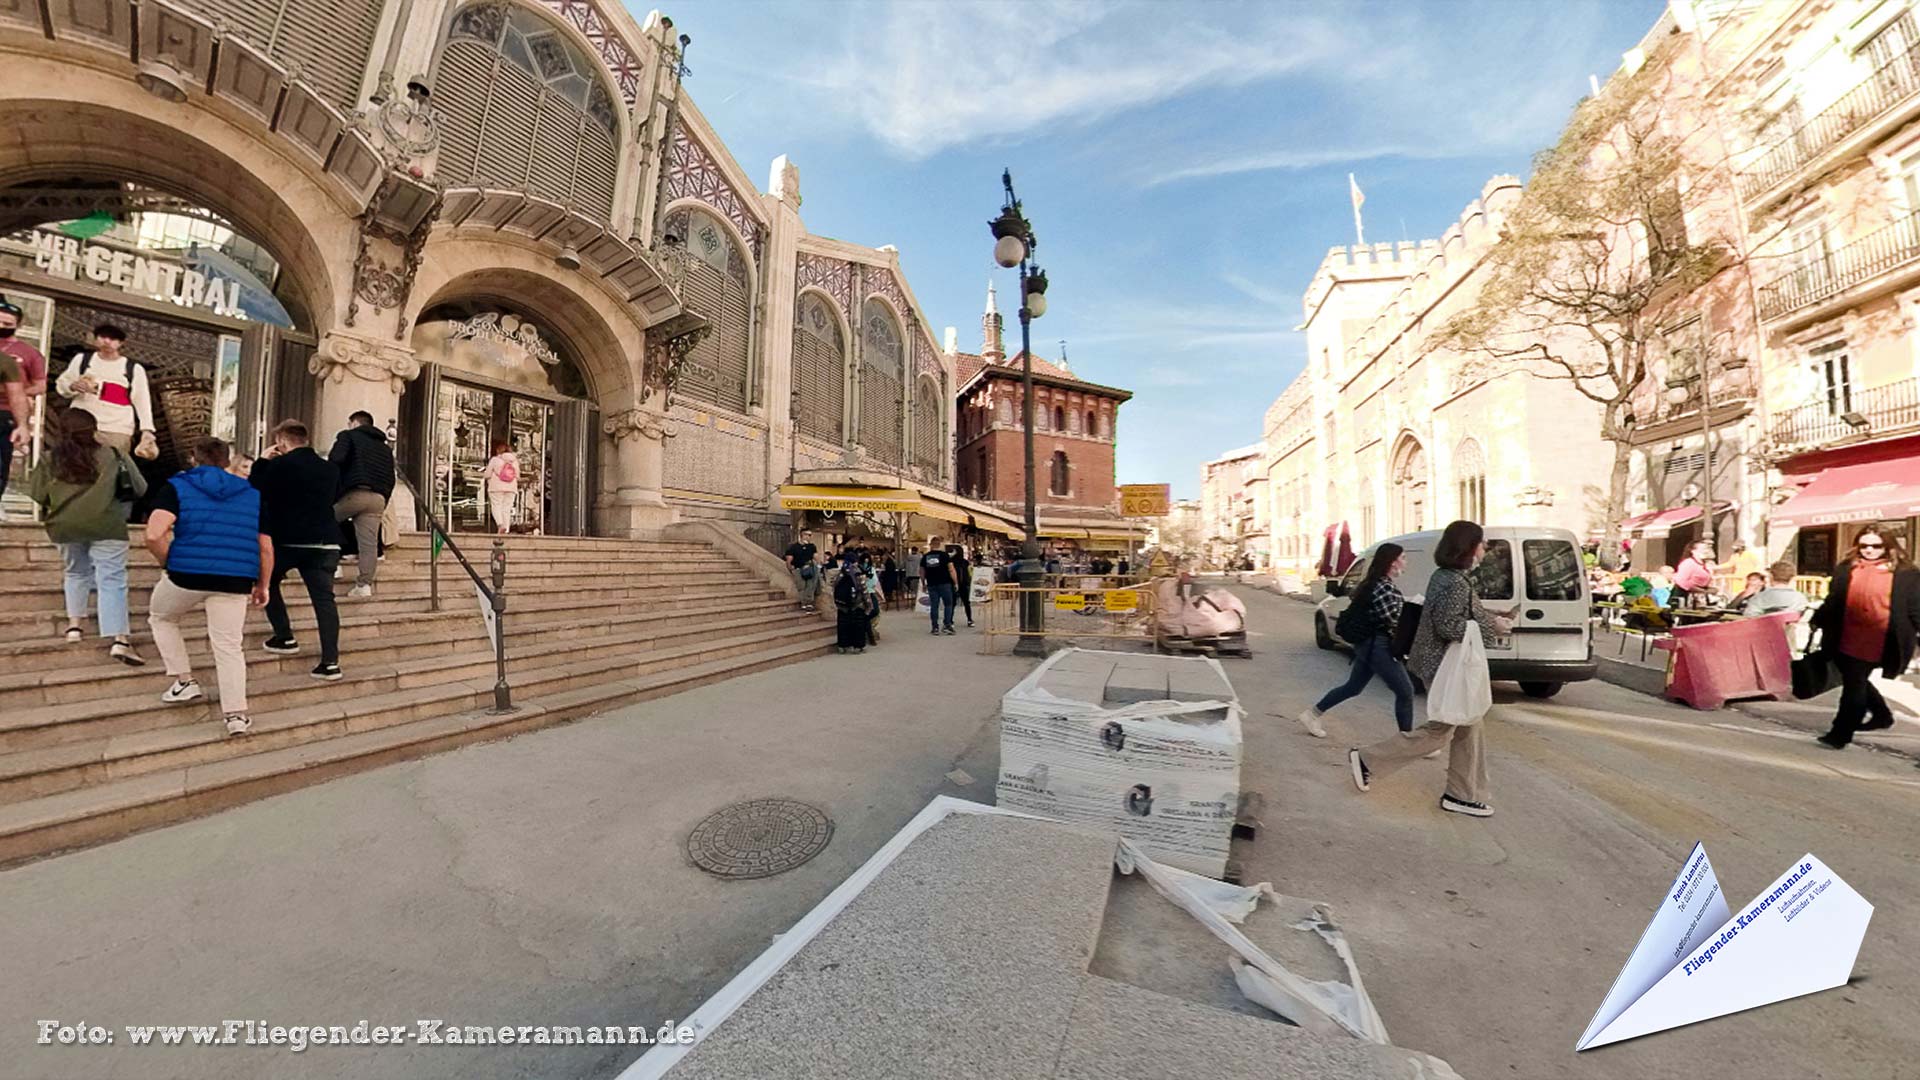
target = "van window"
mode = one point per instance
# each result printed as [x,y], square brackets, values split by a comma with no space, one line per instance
[1554,570]
[1493,578]
[1355,573]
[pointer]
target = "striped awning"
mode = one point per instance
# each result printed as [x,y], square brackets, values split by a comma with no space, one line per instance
[835,497]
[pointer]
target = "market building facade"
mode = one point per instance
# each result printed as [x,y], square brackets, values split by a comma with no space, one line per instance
[481,222]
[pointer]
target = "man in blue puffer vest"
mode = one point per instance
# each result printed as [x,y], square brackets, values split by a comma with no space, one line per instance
[206,530]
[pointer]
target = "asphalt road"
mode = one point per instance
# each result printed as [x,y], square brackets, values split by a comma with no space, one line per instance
[1491,942]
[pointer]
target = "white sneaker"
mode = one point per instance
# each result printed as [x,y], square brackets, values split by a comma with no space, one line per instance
[238,723]
[1311,721]
[182,690]
[360,591]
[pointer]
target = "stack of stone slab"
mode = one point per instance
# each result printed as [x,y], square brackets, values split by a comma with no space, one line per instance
[1144,746]
[964,953]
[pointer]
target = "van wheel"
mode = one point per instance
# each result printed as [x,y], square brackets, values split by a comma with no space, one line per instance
[1320,635]
[1540,689]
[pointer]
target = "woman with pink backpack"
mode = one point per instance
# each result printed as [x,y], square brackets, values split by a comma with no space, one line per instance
[503,483]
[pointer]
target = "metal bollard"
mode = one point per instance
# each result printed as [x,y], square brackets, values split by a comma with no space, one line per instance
[502,695]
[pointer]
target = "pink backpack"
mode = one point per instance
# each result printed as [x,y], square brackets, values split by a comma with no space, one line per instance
[509,471]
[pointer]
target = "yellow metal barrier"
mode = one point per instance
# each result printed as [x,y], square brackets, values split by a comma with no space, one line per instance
[1813,586]
[1067,612]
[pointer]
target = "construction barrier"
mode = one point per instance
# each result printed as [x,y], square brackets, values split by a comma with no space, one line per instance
[1069,612]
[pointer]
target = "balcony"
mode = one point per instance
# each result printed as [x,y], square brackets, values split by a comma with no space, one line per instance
[1880,252]
[1891,85]
[1852,413]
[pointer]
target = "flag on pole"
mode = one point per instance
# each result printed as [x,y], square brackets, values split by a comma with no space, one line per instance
[1360,234]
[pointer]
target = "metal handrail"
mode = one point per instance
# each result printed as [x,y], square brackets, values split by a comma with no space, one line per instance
[1885,249]
[1878,409]
[1886,87]
[495,596]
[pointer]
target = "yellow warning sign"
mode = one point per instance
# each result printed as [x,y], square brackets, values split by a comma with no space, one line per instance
[1070,601]
[1145,500]
[1123,600]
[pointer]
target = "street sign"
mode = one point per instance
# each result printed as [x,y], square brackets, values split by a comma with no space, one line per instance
[1070,601]
[1123,600]
[1145,500]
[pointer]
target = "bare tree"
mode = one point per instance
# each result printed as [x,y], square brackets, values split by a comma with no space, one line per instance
[1597,254]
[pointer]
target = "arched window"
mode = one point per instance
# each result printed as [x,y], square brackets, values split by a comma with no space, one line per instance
[522,108]
[1470,480]
[882,371]
[1093,424]
[927,414]
[1061,480]
[1409,486]
[717,370]
[1059,418]
[819,370]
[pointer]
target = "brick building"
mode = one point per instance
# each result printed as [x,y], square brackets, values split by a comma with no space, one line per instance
[1075,428]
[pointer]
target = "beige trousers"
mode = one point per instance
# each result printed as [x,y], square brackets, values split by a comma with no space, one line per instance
[226,632]
[1466,761]
[122,442]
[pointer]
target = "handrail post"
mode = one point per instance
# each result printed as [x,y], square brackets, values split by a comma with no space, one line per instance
[434,541]
[502,694]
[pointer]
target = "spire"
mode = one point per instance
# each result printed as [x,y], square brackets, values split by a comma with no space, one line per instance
[991,349]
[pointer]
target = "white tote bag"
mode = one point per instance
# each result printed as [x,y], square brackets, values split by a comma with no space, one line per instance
[1461,693]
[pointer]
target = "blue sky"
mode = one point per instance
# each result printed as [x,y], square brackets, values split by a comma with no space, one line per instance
[1184,165]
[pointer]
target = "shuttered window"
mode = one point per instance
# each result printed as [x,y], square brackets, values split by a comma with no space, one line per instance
[717,370]
[882,367]
[522,109]
[330,41]
[819,370]
[927,442]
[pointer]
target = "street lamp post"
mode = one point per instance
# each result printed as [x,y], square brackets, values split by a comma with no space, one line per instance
[1013,246]
[1677,396]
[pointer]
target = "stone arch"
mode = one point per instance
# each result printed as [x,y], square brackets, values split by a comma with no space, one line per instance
[106,127]
[1407,481]
[822,362]
[720,369]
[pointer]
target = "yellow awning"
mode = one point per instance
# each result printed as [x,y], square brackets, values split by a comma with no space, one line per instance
[943,511]
[832,497]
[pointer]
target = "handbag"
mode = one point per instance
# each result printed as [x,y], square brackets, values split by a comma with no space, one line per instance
[1812,671]
[123,484]
[1461,693]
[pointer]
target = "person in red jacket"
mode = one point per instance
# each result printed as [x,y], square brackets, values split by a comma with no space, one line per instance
[1869,620]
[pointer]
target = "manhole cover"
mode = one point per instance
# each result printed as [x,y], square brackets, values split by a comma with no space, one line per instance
[759,838]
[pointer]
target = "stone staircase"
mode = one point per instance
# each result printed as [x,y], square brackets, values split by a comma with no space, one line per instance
[89,753]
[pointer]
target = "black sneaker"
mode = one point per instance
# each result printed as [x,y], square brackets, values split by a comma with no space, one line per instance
[283,646]
[1829,742]
[1462,806]
[948,631]
[936,631]
[327,672]
[1876,725]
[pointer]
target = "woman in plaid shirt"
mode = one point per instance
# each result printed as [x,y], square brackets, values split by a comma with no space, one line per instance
[1376,606]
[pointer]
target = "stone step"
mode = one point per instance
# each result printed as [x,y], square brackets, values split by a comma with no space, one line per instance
[115,807]
[379,696]
[102,677]
[15,555]
[49,618]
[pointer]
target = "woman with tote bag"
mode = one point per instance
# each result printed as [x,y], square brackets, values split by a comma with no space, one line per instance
[85,489]
[1450,657]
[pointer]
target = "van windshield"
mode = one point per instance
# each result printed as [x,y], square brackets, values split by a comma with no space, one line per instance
[1554,570]
[1493,578]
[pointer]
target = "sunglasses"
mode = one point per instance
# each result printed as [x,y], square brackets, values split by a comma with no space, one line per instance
[1865,546]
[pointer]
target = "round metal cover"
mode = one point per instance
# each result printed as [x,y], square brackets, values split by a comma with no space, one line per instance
[759,838]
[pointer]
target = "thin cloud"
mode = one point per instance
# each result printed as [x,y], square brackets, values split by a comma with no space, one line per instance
[1293,161]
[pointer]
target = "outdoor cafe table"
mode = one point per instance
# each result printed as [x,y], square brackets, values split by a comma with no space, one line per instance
[1715,662]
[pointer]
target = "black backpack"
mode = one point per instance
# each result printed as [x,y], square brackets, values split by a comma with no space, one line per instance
[1355,624]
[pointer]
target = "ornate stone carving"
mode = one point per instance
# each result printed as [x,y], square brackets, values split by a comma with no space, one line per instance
[620,61]
[692,173]
[636,424]
[342,355]
[506,329]
[1534,495]
[832,276]
[668,344]
[410,124]
[377,282]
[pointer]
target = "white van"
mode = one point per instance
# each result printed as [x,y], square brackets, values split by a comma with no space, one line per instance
[1550,644]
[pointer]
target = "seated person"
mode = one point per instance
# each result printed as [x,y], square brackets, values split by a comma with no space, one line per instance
[1640,610]
[1662,582]
[1755,583]
[1780,595]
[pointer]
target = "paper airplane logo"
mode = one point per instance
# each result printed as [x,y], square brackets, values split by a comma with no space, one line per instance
[1696,961]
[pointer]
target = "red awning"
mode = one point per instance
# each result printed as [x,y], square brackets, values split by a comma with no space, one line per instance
[1657,524]
[1874,491]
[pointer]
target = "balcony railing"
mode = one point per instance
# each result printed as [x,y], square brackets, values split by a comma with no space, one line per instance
[1889,86]
[1879,410]
[1885,249]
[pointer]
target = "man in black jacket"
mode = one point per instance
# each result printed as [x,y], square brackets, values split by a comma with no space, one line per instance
[297,487]
[365,462]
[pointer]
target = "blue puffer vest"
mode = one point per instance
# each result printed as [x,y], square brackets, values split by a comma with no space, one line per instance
[219,527]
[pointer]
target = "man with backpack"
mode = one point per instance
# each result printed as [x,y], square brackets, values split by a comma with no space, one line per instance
[365,461]
[800,558]
[296,488]
[114,389]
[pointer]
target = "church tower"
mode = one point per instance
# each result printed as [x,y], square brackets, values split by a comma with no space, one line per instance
[991,348]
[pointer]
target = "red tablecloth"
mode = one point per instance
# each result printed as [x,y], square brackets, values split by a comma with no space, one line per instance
[1716,662]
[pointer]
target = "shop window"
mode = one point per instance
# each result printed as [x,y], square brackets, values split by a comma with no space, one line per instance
[882,377]
[717,371]
[521,107]
[819,370]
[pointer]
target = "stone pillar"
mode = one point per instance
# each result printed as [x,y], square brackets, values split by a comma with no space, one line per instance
[776,332]
[640,447]
[359,372]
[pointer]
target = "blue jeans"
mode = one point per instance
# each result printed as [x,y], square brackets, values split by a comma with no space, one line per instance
[938,595]
[98,566]
[1375,658]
